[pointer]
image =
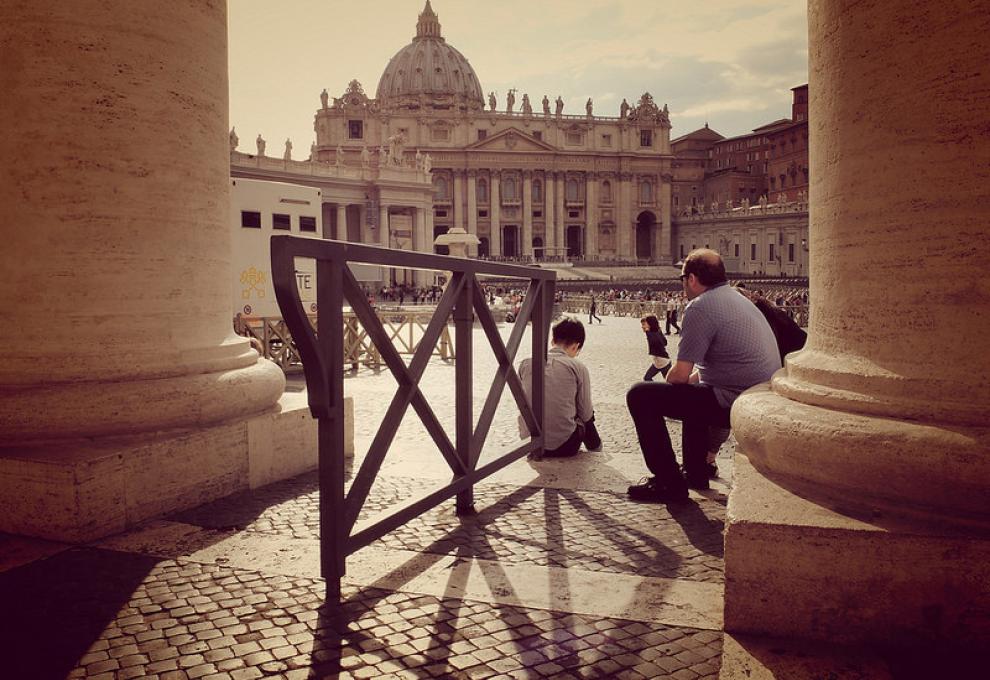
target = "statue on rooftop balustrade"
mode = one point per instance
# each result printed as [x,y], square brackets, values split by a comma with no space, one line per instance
[234,141]
[260,141]
[546,105]
[559,105]
[287,156]
[526,108]
[324,98]
[587,106]
[623,108]
[510,100]
[491,100]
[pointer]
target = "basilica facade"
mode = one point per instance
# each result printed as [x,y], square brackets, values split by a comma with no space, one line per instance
[529,180]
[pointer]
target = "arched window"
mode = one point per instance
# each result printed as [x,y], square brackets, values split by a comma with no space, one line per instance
[606,192]
[537,191]
[481,189]
[440,188]
[572,190]
[510,191]
[645,192]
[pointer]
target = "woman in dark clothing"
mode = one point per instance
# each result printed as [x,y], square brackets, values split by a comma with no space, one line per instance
[657,347]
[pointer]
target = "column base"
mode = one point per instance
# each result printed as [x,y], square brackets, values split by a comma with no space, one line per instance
[796,567]
[82,490]
[745,657]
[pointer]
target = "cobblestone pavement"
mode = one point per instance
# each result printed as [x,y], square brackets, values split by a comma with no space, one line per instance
[134,612]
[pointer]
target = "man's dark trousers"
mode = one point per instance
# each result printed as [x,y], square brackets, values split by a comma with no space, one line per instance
[697,409]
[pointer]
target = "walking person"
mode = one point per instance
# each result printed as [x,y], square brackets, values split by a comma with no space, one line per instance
[726,347]
[656,346]
[592,309]
[672,314]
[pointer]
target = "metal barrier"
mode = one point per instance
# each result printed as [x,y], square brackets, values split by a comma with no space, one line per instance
[405,328]
[322,356]
[577,304]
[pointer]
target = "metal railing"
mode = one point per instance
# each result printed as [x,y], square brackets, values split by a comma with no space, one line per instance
[322,356]
[578,304]
[405,329]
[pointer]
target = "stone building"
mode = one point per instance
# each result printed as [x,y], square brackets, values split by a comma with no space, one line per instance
[746,196]
[529,180]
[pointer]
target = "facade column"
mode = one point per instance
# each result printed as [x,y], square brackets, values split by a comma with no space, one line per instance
[548,213]
[341,233]
[383,230]
[624,228]
[527,212]
[591,215]
[666,229]
[472,209]
[862,476]
[495,235]
[559,214]
[117,269]
[459,199]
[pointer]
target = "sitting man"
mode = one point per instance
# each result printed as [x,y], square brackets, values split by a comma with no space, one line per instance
[726,337]
[568,417]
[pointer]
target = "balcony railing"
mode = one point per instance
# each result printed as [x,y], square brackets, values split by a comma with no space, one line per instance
[322,354]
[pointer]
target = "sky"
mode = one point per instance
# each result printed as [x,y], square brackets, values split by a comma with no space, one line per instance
[730,63]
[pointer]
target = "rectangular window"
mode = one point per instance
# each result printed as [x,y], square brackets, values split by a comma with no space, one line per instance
[770,253]
[307,223]
[646,137]
[537,213]
[355,129]
[482,134]
[281,221]
[250,219]
[606,140]
[682,251]
[440,134]
[752,252]
[737,250]
[790,252]
[573,213]
[538,135]
[482,213]
[573,138]
[441,213]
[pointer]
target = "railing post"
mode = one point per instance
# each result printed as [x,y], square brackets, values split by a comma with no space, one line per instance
[542,311]
[463,388]
[330,330]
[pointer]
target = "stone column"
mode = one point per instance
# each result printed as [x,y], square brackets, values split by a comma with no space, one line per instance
[527,214]
[666,231]
[859,510]
[624,225]
[591,215]
[472,209]
[383,231]
[559,215]
[459,199]
[495,236]
[548,213]
[341,234]
[117,265]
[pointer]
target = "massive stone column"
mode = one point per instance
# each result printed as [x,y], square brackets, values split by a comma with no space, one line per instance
[666,232]
[472,209]
[527,215]
[860,507]
[116,261]
[625,229]
[341,234]
[559,238]
[591,216]
[495,234]
[548,213]
[383,229]
[459,199]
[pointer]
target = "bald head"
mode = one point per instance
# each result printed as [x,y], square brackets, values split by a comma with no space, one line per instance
[706,265]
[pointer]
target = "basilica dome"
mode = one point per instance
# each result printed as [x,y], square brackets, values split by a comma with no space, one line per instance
[429,71]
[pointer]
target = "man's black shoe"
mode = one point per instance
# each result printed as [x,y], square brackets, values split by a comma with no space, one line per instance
[650,491]
[712,471]
[698,484]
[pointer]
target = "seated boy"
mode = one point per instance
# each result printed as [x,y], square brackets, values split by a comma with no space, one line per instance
[569,419]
